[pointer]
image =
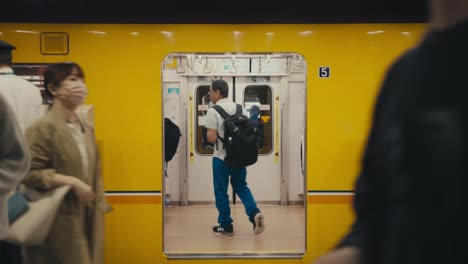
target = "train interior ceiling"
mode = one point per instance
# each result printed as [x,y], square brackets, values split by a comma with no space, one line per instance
[276,84]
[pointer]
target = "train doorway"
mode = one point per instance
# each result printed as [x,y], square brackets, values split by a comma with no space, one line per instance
[272,88]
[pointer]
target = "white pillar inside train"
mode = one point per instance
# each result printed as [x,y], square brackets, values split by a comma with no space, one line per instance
[276,82]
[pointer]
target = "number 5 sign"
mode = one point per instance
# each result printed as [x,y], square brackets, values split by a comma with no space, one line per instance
[324,72]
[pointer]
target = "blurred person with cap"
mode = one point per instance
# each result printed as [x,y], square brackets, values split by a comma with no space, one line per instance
[24,100]
[24,97]
[410,201]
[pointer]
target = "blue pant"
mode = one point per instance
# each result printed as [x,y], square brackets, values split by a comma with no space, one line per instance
[221,174]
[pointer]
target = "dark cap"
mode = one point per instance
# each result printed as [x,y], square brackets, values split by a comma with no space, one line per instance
[6,48]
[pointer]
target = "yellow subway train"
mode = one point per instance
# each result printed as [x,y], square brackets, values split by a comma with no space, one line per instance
[315,86]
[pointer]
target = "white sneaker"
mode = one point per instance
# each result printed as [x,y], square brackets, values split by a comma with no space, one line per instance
[259,224]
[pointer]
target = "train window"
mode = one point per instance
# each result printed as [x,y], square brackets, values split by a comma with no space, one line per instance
[258,102]
[203,103]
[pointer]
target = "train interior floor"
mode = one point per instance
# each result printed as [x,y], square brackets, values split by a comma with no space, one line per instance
[188,229]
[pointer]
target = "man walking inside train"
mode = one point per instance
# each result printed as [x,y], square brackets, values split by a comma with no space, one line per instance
[222,168]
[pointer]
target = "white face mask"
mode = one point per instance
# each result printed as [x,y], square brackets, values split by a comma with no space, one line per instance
[74,92]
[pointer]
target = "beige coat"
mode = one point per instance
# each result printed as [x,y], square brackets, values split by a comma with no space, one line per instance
[76,236]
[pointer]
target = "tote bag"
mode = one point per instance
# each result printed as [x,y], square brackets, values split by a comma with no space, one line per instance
[33,226]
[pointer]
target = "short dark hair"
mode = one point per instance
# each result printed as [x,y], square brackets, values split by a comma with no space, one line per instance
[6,53]
[57,73]
[221,86]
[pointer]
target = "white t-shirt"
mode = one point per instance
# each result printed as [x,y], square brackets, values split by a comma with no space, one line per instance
[79,137]
[14,160]
[215,121]
[23,97]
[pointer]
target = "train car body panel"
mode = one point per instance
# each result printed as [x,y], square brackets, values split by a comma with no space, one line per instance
[122,64]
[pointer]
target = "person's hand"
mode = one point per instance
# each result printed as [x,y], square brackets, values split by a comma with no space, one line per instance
[345,255]
[83,191]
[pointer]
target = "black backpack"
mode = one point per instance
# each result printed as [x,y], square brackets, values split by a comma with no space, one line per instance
[171,139]
[240,138]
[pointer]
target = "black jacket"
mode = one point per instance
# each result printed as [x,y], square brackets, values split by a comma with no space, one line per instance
[411,198]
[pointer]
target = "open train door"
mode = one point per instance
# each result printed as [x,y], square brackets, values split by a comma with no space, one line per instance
[272,88]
